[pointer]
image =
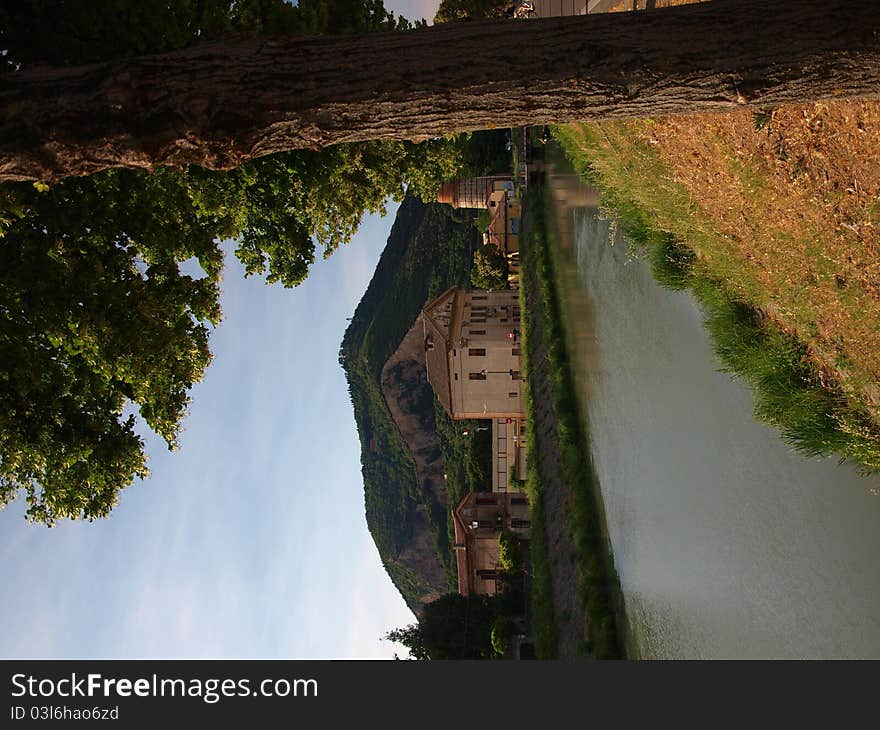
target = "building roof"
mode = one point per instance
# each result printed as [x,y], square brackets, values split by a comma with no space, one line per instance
[461,552]
[438,318]
[499,212]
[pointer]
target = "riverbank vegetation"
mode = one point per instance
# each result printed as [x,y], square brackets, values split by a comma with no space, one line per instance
[770,219]
[599,583]
[544,628]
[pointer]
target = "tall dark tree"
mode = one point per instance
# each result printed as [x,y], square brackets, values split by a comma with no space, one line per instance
[223,102]
[452,627]
[490,268]
[461,9]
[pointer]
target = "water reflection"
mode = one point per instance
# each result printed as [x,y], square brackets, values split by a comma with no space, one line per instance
[728,543]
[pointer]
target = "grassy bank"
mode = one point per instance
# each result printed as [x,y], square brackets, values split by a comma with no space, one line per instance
[778,314]
[599,583]
[544,627]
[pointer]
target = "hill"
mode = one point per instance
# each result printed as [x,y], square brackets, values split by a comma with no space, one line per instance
[429,249]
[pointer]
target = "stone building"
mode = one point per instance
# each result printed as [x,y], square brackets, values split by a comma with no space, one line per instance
[473,192]
[504,228]
[473,352]
[508,454]
[494,193]
[479,520]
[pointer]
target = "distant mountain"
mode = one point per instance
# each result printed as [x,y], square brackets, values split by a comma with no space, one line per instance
[429,248]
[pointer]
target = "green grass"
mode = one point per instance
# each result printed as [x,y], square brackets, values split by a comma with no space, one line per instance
[543,613]
[810,412]
[599,583]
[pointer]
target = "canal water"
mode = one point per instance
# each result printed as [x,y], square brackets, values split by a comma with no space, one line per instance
[728,543]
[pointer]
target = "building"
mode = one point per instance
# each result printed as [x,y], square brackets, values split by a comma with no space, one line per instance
[508,454]
[494,193]
[504,228]
[479,520]
[473,352]
[505,219]
[473,192]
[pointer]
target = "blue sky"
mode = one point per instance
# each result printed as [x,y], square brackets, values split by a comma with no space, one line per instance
[251,539]
[414,9]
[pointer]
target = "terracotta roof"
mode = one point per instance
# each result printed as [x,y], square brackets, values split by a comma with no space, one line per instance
[462,549]
[446,193]
[438,345]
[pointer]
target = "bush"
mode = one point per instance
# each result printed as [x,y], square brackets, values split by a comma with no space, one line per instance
[502,630]
[510,552]
[490,268]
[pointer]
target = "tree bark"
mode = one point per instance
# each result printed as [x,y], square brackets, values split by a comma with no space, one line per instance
[224,102]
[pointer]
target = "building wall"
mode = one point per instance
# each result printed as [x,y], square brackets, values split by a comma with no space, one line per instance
[472,192]
[485,361]
[482,516]
[508,453]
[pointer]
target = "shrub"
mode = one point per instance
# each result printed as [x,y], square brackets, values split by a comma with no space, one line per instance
[502,630]
[510,551]
[490,268]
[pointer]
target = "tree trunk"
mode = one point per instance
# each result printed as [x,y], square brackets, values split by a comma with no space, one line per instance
[221,103]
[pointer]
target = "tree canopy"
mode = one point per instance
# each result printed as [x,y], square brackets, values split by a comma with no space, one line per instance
[461,9]
[490,268]
[100,320]
[452,627]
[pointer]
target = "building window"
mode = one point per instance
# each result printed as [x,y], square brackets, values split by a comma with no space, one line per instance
[477,376]
[477,332]
[519,501]
[516,352]
[486,500]
[479,298]
[477,351]
[477,319]
[521,524]
[513,395]
[456,376]
[504,320]
[516,375]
